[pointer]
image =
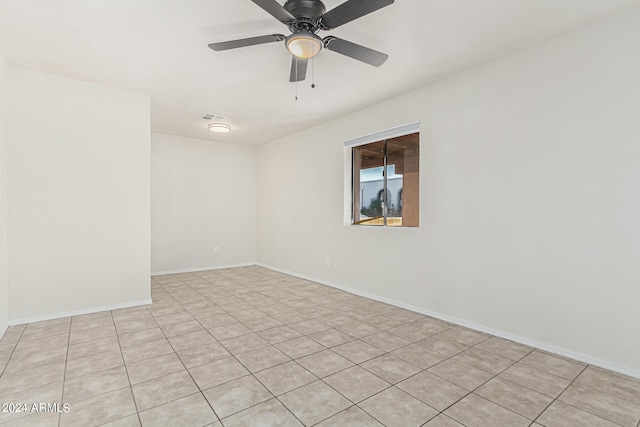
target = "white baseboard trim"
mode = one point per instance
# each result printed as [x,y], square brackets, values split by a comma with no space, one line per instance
[52,316]
[635,373]
[195,270]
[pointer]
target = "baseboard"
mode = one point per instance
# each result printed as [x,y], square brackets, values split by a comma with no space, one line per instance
[635,373]
[78,312]
[195,270]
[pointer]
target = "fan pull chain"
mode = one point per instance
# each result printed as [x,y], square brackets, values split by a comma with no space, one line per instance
[295,58]
[313,72]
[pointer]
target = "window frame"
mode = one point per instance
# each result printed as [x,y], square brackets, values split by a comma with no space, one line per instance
[349,202]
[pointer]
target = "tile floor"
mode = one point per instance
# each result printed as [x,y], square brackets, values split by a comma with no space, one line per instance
[252,347]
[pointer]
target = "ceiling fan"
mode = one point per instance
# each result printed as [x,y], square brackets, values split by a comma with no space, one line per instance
[304,19]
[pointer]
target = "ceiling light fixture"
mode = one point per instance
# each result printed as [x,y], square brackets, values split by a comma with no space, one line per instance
[304,44]
[219,127]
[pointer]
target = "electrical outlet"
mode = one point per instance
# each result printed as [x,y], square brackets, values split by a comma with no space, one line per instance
[216,249]
[327,262]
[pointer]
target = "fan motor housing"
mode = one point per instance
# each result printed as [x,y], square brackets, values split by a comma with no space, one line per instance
[306,9]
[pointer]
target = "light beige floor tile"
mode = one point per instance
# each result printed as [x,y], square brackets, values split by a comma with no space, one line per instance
[251,313]
[193,339]
[474,411]
[129,421]
[465,335]
[262,358]
[383,323]
[94,363]
[356,384]
[562,415]
[484,360]
[612,383]
[308,327]
[331,337]
[189,411]
[553,365]
[386,341]
[358,351]
[100,409]
[357,329]
[410,333]
[443,421]
[36,333]
[218,372]
[262,323]
[324,363]
[443,344]
[217,320]
[244,343]
[162,390]
[395,408]
[154,368]
[146,350]
[269,413]
[125,326]
[232,330]
[236,396]
[91,334]
[51,393]
[352,417]
[140,337]
[14,382]
[279,334]
[604,405]
[202,355]
[515,397]
[299,347]
[89,323]
[93,384]
[179,329]
[390,368]
[39,419]
[286,377]
[314,402]
[461,374]
[419,356]
[433,390]
[505,348]
[27,360]
[127,314]
[89,348]
[536,380]
[178,317]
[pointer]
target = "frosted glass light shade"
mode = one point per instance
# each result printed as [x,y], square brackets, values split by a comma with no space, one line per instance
[304,45]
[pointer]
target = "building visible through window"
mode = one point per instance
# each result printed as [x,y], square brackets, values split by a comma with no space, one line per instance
[386,182]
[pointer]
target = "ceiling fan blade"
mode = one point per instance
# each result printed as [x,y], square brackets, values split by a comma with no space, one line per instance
[298,69]
[251,41]
[273,8]
[355,51]
[350,10]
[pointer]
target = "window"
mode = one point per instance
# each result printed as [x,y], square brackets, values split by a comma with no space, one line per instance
[386,178]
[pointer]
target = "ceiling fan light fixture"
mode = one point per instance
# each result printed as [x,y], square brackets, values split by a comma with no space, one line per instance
[304,44]
[219,127]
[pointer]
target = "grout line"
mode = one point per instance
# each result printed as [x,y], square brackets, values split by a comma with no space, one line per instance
[126,370]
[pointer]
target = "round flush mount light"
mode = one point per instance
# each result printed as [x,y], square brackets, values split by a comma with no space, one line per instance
[304,44]
[219,127]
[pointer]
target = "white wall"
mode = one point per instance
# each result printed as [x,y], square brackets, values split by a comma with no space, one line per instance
[4,290]
[78,200]
[202,196]
[530,199]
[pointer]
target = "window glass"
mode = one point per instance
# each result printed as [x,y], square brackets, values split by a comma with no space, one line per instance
[386,182]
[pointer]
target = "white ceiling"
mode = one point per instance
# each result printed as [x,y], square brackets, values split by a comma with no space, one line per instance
[159,47]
